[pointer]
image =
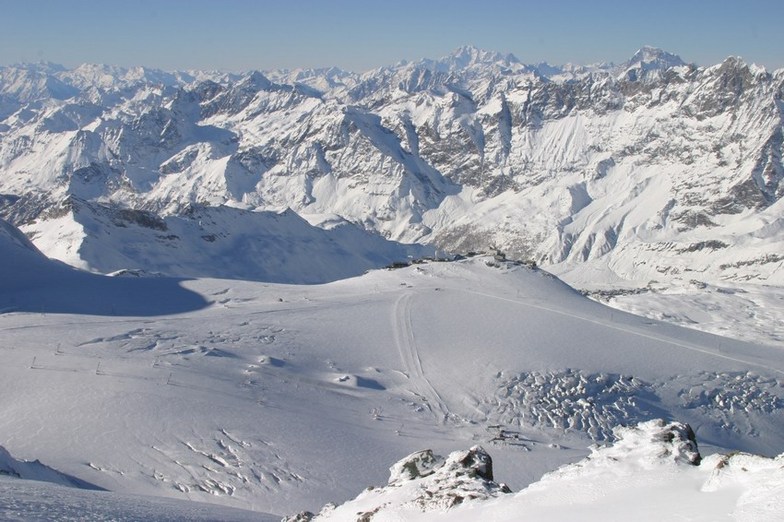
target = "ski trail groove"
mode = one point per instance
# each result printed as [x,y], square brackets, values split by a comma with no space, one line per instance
[409,356]
[681,344]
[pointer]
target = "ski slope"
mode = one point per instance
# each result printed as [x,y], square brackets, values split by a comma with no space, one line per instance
[280,398]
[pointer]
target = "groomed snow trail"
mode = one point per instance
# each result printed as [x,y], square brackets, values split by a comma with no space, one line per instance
[614,326]
[409,356]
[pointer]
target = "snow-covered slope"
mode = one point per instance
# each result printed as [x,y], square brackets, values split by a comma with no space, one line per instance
[653,472]
[639,162]
[281,398]
[34,500]
[34,491]
[653,184]
[650,172]
[9,466]
[30,282]
[220,242]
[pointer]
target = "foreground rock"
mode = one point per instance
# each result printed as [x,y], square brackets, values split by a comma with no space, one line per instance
[654,471]
[422,482]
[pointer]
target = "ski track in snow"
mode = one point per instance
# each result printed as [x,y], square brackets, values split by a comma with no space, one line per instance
[619,328]
[270,369]
[409,356]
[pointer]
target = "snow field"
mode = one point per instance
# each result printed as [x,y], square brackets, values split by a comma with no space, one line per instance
[280,398]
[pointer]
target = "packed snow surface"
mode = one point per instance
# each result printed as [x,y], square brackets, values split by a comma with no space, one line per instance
[200,372]
[281,398]
[28,500]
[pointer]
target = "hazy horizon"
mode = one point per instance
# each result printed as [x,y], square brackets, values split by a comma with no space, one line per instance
[238,35]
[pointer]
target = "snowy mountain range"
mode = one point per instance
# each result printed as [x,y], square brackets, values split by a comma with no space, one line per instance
[651,172]
[654,168]
[189,307]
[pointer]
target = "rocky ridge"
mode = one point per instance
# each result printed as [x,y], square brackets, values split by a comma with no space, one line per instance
[653,169]
[654,465]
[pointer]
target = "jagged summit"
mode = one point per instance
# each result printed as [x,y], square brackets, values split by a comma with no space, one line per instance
[40,66]
[472,150]
[29,83]
[648,63]
[469,55]
[257,80]
[648,54]
[466,59]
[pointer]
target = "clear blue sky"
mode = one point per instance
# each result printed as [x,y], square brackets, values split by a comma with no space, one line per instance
[359,35]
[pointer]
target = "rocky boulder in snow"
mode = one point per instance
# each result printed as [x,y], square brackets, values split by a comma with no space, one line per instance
[647,446]
[423,482]
[460,467]
[655,441]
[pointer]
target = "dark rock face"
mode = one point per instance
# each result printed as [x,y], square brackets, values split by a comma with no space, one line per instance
[464,475]
[479,463]
[415,466]
[682,440]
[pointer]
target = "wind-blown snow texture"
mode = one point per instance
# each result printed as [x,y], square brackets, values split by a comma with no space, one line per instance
[655,185]
[651,175]
[281,398]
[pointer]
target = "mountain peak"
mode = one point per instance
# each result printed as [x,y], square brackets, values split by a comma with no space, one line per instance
[648,62]
[648,56]
[256,80]
[468,55]
[43,67]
